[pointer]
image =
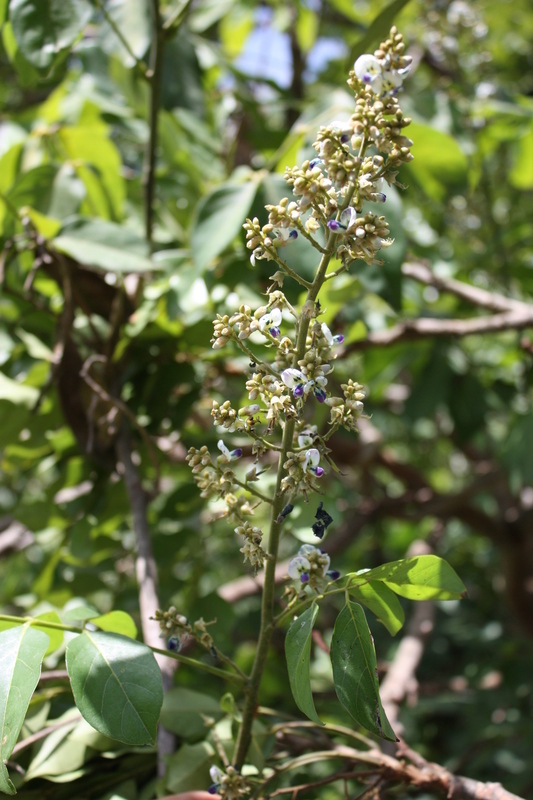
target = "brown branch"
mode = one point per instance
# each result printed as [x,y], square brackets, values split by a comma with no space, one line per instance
[472,294]
[415,329]
[104,395]
[400,680]
[420,774]
[147,578]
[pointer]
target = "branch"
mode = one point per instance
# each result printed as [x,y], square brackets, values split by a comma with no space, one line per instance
[154,75]
[147,579]
[420,774]
[424,327]
[400,680]
[472,294]
[513,314]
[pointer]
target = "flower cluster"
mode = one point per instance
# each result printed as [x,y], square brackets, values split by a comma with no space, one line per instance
[334,207]
[176,629]
[230,785]
[311,567]
[252,549]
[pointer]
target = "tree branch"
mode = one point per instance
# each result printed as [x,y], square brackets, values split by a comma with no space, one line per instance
[154,76]
[472,294]
[147,579]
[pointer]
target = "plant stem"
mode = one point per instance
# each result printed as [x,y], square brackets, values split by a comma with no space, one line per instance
[267,608]
[154,75]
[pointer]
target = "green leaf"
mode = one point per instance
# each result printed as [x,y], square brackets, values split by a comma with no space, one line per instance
[92,145]
[420,578]
[378,29]
[103,244]
[27,74]
[382,602]
[439,164]
[21,652]
[234,28]
[43,28]
[57,755]
[54,634]
[36,349]
[219,219]
[353,659]
[521,173]
[189,767]
[17,393]
[183,711]
[298,651]
[116,622]
[80,613]
[132,18]
[117,685]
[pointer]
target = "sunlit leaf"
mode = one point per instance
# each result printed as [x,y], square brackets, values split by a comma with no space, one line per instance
[353,659]
[382,601]
[21,652]
[419,578]
[116,622]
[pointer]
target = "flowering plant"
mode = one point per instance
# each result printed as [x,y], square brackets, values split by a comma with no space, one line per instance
[291,352]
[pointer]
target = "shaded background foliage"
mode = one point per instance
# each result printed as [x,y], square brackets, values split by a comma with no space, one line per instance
[447,455]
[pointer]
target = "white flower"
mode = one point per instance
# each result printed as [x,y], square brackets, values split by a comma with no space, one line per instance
[307,549]
[271,321]
[228,455]
[216,774]
[306,437]
[312,460]
[343,128]
[282,235]
[298,566]
[391,80]
[328,336]
[368,69]
[345,221]
[295,380]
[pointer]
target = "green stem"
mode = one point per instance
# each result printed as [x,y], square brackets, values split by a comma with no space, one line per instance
[267,607]
[253,491]
[191,662]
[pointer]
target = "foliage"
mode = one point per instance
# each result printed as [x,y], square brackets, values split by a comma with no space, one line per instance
[121,240]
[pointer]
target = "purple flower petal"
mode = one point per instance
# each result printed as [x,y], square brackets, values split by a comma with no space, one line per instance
[274,331]
[338,339]
[304,577]
[334,574]
[333,225]
[298,390]
[320,394]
